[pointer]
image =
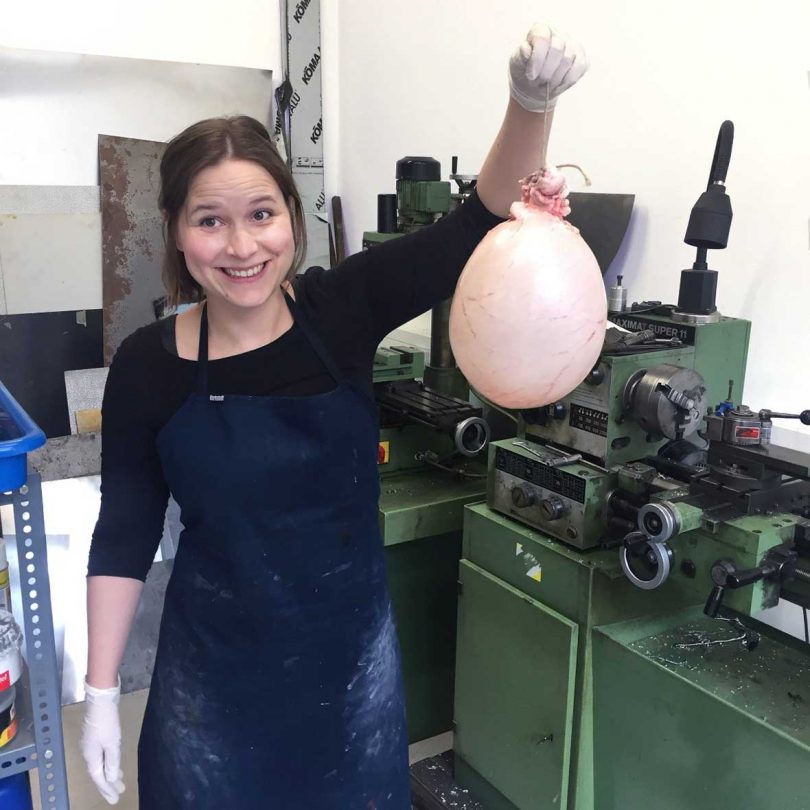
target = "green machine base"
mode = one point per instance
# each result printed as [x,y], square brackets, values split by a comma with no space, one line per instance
[524,676]
[421,514]
[571,691]
[686,722]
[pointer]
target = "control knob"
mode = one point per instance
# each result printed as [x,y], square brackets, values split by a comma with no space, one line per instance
[553,508]
[595,376]
[523,495]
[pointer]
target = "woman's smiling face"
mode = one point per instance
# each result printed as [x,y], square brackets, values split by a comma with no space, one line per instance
[235,233]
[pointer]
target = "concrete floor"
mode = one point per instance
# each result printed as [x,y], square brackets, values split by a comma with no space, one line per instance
[83,793]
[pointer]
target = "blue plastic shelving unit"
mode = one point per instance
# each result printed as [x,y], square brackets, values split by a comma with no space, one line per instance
[38,743]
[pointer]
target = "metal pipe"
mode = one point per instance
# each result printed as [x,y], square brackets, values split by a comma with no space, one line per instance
[441,355]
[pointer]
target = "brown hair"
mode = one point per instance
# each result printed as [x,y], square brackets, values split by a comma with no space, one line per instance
[205,144]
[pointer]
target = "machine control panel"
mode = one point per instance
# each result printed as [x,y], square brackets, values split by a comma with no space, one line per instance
[541,475]
[558,501]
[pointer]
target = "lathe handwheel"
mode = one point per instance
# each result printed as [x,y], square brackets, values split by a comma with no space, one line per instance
[471,436]
[659,558]
[658,521]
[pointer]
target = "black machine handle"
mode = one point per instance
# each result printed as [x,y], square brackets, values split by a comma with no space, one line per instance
[720,572]
[779,563]
[714,601]
[739,579]
[766,415]
[708,229]
[722,154]
[734,579]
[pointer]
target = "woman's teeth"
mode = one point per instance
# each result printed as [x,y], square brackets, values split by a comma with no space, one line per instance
[251,271]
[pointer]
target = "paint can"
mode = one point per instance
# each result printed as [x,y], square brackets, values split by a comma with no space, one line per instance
[10,655]
[8,716]
[5,585]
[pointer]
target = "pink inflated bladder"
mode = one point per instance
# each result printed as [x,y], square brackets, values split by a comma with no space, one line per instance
[528,317]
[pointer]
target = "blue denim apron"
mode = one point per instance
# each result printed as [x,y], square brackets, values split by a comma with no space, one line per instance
[277,683]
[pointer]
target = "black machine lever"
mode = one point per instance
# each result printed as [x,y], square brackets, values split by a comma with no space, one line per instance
[779,564]
[708,229]
[714,602]
[739,579]
[766,416]
[722,154]
[720,573]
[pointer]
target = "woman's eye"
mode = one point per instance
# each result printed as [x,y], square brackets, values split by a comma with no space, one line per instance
[262,216]
[208,222]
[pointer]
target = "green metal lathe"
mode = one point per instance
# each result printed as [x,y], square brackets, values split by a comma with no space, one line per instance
[433,444]
[607,653]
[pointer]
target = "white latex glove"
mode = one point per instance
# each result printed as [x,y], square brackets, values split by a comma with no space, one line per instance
[543,66]
[101,740]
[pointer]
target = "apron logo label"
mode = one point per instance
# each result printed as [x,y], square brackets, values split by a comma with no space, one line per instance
[216,398]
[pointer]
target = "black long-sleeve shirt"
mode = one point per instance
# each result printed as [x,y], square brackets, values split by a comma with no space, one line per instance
[353,307]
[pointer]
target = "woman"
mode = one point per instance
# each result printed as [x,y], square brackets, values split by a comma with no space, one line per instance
[277,681]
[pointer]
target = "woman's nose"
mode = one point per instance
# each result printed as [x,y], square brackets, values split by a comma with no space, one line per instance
[241,243]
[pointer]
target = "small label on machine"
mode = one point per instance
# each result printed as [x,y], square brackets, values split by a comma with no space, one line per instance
[383,452]
[588,419]
[636,323]
[535,572]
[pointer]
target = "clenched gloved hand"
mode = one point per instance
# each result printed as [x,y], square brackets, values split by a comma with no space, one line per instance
[101,740]
[543,66]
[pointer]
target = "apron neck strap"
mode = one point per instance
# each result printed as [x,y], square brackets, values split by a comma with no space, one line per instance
[314,339]
[309,333]
[202,352]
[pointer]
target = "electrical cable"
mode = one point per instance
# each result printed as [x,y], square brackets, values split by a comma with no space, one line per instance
[656,309]
[494,406]
[430,458]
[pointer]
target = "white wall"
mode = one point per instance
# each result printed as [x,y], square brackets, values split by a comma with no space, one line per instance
[241,34]
[428,77]
[81,98]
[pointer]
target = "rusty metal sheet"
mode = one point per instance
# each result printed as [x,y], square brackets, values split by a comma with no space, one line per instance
[132,235]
